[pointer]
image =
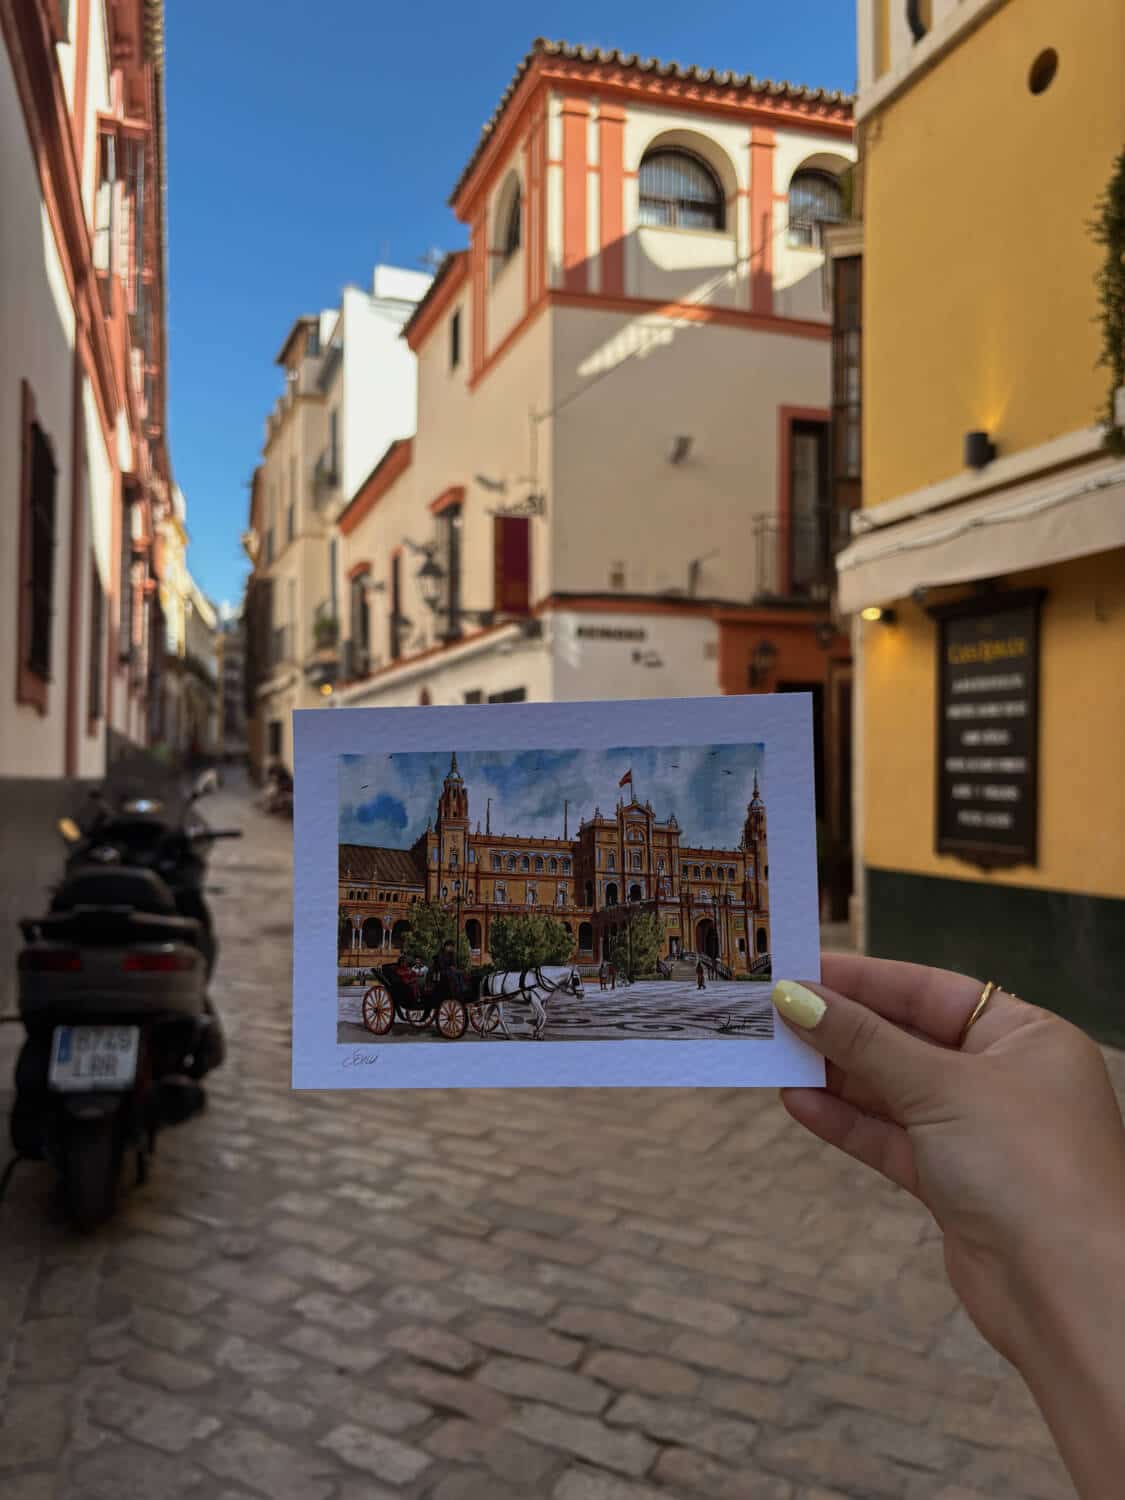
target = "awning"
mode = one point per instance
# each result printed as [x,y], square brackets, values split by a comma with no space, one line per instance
[1026,526]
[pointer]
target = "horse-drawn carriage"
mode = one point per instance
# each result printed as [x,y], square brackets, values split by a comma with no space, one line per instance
[449,1001]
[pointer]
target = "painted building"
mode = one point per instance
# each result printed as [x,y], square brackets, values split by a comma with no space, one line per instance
[710,901]
[84,467]
[989,554]
[349,392]
[618,483]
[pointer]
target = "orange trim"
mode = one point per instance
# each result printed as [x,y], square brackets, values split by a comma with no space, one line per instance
[611,155]
[762,144]
[610,81]
[508,340]
[696,313]
[77,567]
[527,219]
[454,495]
[358,570]
[575,116]
[390,467]
[542,259]
[786,416]
[478,253]
[437,302]
[81,73]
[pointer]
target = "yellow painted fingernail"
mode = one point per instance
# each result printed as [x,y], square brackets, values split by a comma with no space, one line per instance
[797,1004]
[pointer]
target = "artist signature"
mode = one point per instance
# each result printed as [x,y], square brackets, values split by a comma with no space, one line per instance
[360,1059]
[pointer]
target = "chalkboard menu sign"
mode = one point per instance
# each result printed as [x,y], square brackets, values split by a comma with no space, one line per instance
[988,728]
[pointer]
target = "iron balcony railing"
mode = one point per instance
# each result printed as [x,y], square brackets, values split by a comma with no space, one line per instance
[794,555]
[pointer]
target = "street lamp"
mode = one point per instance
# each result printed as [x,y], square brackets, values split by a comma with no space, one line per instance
[433,579]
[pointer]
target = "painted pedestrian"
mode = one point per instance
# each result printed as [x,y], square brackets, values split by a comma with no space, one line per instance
[700,982]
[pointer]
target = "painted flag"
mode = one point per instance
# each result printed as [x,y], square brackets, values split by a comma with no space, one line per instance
[627,778]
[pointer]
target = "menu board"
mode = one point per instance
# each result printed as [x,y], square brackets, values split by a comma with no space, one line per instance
[988,729]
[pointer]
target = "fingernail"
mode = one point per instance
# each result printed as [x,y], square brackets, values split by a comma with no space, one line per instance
[797,1004]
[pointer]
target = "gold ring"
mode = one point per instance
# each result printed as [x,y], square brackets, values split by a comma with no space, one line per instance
[985,996]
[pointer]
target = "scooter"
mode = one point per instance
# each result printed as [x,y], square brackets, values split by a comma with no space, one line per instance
[113,997]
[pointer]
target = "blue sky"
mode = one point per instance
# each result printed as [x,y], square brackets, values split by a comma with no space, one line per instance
[388,799]
[306,142]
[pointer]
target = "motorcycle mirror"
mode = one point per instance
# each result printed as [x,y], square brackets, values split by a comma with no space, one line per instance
[69,830]
[206,782]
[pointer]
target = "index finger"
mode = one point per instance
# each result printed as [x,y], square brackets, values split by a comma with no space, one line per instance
[934,1003]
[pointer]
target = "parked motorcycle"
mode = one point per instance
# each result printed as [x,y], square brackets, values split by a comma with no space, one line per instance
[113,996]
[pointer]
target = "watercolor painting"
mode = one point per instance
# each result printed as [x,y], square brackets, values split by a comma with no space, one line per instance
[554,895]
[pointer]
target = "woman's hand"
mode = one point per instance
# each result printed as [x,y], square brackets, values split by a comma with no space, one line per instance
[1015,1144]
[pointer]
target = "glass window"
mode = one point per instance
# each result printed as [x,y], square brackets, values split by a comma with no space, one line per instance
[815,199]
[679,191]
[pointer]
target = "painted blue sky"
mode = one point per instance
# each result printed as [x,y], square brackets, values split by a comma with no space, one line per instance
[388,799]
[306,142]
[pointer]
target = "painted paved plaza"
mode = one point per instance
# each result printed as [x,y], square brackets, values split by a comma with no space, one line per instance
[568,1295]
[652,1010]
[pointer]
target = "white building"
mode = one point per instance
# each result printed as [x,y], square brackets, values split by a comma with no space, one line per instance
[618,485]
[350,390]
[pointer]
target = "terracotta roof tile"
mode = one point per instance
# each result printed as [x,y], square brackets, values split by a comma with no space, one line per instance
[364,862]
[722,78]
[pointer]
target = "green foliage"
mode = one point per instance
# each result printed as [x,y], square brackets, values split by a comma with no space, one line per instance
[637,946]
[430,926]
[524,942]
[1108,229]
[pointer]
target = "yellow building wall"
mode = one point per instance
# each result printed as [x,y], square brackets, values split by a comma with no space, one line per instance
[1081,736]
[979,302]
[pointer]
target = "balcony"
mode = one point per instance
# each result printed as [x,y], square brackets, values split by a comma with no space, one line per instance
[326,477]
[794,556]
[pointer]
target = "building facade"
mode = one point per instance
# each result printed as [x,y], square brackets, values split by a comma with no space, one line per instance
[618,486]
[84,467]
[709,901]
[989,555]
[349,392]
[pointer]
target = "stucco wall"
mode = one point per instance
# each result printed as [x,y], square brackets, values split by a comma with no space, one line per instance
[978,265]
[379,400]
[37,340]
[648,380]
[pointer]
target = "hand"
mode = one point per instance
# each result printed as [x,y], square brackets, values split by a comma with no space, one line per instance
[1014,1143]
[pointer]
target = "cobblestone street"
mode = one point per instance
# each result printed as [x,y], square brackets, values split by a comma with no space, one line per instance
[633,1295]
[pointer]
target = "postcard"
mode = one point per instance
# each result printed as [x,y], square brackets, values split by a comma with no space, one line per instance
[553,895]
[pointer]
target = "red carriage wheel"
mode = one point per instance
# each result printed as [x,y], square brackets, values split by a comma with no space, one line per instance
[451,1018]
[484,1016]
[378,1010]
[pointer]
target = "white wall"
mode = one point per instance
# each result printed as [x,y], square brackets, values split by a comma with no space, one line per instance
[613,494]
[379,400]
[594,655]
[37,344]
[97,100]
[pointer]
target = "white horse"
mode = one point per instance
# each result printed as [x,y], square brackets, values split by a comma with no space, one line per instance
[531,988]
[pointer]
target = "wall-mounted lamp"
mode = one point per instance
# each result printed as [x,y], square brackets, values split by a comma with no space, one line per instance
[825,633]
[980,450]
[761,663]
[877,612]
[681,447]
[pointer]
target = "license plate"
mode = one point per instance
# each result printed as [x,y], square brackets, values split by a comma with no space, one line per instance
[93,1057]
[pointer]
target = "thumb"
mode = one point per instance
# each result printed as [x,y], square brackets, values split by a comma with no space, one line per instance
[902,1069]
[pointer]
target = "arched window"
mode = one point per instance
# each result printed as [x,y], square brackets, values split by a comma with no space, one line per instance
[695,872]
[611,860]
[554,867]
[611,894]
[707,873]
[814,200]
[497,862]
[585,937]
[525,863]
[589,893]
[635,893]
[566,866]
[511,861]
[636,861]
[762,940]
[508,233]
[538,864]
[679,191]
[472,932]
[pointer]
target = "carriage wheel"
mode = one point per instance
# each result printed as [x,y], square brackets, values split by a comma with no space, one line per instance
[419,1019]
[484,1017]
[378,1010]
[451,1018]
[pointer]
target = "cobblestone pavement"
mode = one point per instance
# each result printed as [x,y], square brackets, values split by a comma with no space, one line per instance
[634,1295]
[656,1009]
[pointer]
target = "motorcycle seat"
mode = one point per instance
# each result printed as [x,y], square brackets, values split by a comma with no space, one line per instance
[142,890]
[117,924]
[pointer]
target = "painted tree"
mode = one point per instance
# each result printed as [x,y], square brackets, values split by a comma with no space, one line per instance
[431,926]
[637,946]
[524,942]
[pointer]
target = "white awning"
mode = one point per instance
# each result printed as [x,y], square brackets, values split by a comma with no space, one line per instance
[1026,526]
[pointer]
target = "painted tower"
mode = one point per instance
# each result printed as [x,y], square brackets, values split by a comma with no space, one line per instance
[453,827]
[754,841]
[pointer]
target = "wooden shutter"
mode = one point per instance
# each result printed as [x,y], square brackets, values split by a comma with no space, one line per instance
[512,565]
